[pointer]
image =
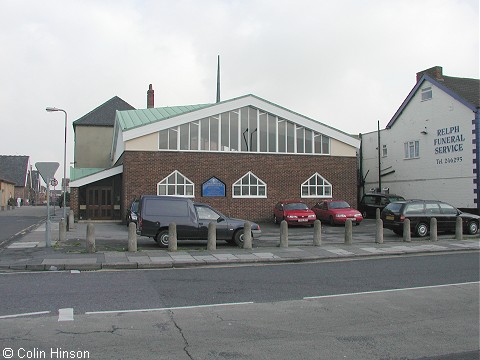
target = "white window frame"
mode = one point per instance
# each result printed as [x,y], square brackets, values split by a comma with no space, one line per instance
[407,146]
[427,93]
[187,183]
[258,185]
[325,184]
[252,118]
[384,150]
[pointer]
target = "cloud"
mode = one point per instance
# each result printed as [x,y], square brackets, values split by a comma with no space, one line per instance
[345,63]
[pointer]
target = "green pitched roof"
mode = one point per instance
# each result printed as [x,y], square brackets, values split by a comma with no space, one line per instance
[130,119]
[77,173]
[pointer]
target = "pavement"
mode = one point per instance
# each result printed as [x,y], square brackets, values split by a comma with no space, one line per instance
[27,251]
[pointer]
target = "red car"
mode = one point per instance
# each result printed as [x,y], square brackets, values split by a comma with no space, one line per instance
[337,212]
[294,212]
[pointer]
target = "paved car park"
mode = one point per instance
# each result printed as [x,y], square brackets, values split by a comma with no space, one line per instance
[28,251]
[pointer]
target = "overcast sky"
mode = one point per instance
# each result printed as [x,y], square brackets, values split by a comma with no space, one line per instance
[345,63]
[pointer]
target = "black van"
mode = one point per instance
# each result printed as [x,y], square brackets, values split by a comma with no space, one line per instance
[155,213]
[372,201]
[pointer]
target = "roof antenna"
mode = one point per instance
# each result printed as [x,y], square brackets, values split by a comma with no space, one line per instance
[218,79]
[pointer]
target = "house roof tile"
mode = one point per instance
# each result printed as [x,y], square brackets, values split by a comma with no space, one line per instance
[104,115]
[14,168]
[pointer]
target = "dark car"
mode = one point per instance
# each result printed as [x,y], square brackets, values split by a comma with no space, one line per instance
[132,212]
[372,201]
[156,213]
[294,212]
[336,212]
[420,212]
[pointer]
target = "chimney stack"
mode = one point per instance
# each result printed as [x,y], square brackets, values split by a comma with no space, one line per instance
[435,72]
[150,97]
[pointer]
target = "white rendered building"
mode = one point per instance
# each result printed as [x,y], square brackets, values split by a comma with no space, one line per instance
[430,148]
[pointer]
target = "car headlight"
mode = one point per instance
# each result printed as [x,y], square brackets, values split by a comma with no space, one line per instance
[133,216]
[358,215]
[311,216]
[340,215]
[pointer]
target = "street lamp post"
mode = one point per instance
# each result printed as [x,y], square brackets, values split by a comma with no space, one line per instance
[51,109]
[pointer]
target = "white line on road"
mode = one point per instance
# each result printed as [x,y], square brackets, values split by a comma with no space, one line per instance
[24,314]
[387,290]
[65,314]
[166,309]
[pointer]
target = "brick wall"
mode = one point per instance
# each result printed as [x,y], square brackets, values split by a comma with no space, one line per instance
[283,175]
[74,205]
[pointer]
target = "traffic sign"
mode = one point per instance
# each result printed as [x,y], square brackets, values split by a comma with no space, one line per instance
[47,170]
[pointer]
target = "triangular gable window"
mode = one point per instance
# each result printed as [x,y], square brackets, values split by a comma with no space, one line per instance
[176,184]
[247,129]
[249,186]
[316,187]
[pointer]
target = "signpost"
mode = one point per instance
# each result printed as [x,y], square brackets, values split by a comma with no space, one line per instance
[47,171]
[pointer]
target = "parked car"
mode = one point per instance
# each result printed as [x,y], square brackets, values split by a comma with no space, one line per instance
[336,212]
[294,212]
[372,201]
[132,213]
[155,213]
[420,212]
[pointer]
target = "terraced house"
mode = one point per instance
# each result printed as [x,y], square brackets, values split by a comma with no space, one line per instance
[240,155]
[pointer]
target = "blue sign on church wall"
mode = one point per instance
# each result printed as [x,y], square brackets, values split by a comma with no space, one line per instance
[213,187]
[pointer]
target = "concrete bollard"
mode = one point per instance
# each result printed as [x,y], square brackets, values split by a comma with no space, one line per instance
[62,230]
[317,233]
[459,229]
[379,231]
[407,236]
[172,237]
[71,220]
[247,235]
[212,236]
[348,232]
[377,213]
[433,229]
[283,234]
[132,237]
[91,238]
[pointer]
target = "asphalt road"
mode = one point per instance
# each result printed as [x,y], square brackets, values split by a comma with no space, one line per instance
[15,223]
[386,308]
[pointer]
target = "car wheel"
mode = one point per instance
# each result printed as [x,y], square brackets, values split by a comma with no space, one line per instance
[238,237]
[472,228]
[331,221]
[398,232]
[162,238]
[421,230]
[364,214]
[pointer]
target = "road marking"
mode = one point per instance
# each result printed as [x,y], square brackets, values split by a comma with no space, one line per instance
[65,314]
[340,252]
[387,290]
[24,314]
[23,245]
[167,309]
[74,271]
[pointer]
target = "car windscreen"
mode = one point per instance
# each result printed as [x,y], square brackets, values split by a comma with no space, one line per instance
[339,205]
[395,198]
[394,207]
[296,206]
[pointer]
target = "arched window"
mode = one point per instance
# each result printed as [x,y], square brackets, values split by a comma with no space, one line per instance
[316,187]
[249,186]
[176,184]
